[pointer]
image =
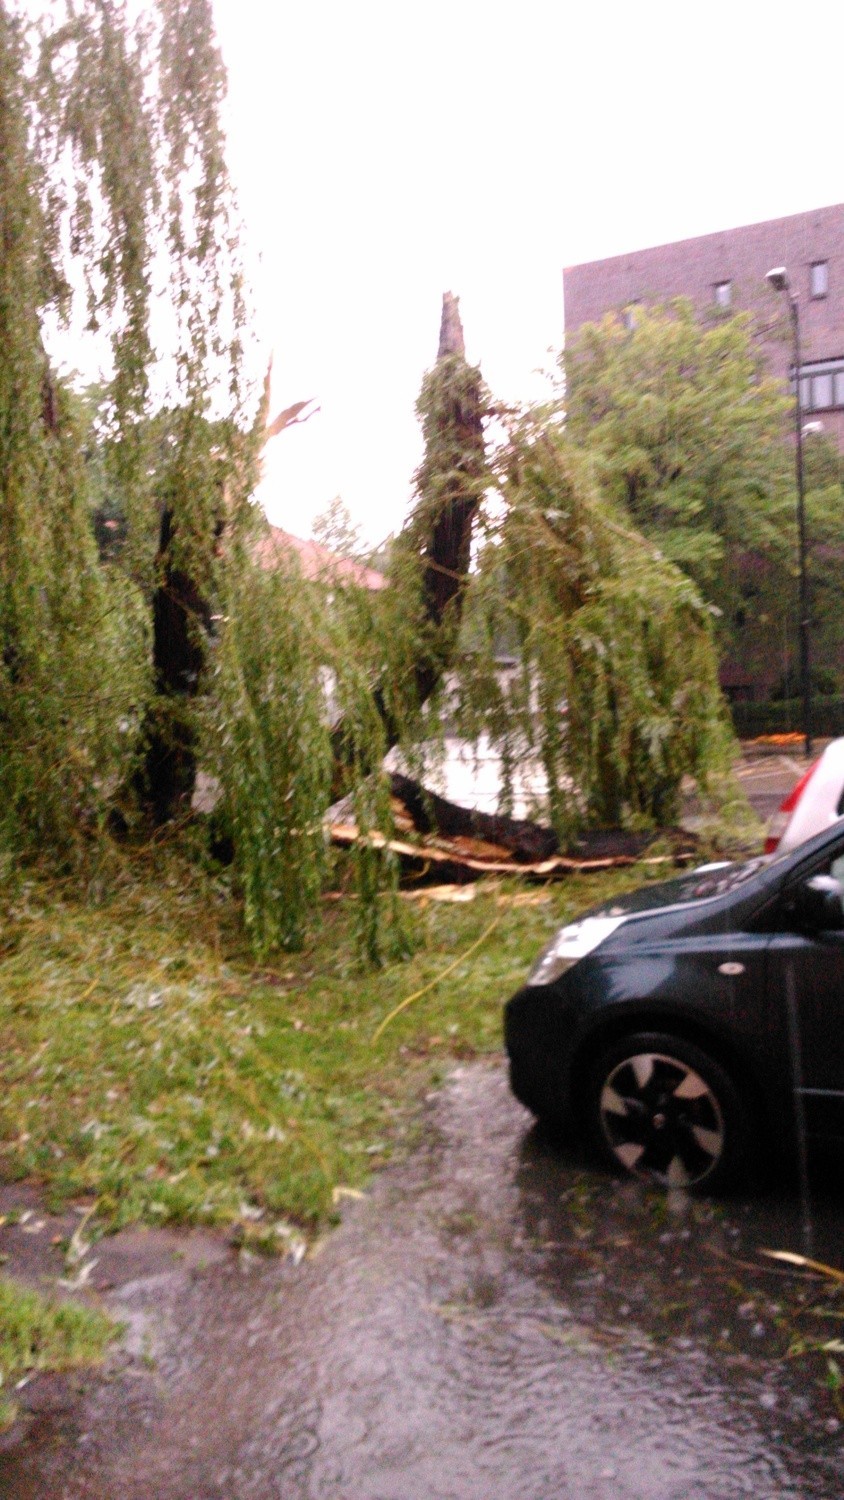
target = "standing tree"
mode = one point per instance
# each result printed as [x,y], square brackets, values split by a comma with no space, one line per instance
[419,616]
[113,192]
[688,434]
[60,705]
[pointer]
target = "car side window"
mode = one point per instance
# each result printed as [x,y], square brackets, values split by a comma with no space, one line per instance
[814,901]
[833,867]
[798,906]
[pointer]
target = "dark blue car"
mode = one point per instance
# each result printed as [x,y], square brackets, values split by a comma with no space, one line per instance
[694,1025]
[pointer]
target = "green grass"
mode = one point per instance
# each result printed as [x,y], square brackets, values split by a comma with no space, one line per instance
[38,1334]
[148,1064]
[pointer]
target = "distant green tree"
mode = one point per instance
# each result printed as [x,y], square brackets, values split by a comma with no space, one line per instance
[688,434]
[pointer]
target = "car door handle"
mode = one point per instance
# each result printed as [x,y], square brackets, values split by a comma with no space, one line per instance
[731,968]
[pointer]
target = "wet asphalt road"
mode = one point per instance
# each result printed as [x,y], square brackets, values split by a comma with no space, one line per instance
[767,776]
[494,1320]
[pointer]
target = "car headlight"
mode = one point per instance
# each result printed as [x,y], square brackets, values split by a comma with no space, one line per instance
[569,945]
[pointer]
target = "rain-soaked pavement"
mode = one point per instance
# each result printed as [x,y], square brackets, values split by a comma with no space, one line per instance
[494,1321]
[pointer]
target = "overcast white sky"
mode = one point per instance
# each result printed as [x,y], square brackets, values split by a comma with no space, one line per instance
[386,151]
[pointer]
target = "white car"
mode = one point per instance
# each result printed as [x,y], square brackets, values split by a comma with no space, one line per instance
[815,803]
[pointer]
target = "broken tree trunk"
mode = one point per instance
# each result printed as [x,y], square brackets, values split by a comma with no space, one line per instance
[461,859]
[527,842]
[181,621]
[439,533]
[182,614]
[450,484]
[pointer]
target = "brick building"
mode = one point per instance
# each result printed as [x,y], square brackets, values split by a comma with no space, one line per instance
[725,272]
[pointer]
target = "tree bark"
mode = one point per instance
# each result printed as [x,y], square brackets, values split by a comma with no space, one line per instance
[181,622]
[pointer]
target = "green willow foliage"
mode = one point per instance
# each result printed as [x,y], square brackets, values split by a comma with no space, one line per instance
[295,660]
[112,190]
[617,688]
[272,748]
[73,652]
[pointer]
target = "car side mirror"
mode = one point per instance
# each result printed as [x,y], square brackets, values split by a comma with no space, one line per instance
[819,903]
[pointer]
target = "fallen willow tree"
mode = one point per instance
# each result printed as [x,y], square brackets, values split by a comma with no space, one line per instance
[615,692]
[377,659]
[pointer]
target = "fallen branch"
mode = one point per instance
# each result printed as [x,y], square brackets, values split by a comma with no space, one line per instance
[444,855]
[791,1258]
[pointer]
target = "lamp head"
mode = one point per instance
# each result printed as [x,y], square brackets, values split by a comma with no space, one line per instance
[778,279]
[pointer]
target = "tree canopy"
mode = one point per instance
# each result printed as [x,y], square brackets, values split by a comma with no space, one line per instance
[690,436]
[687,430]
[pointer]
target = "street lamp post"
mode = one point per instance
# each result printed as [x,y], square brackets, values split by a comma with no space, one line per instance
[778,279]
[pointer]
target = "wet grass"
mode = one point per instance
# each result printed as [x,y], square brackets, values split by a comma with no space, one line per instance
[41,1334]
[151,1068]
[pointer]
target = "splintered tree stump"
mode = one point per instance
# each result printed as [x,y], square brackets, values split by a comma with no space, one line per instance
[448,547]
[451,328]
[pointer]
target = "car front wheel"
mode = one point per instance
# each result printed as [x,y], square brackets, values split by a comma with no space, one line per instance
[661,1108]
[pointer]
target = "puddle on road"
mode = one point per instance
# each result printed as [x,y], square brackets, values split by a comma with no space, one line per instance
[495,1321]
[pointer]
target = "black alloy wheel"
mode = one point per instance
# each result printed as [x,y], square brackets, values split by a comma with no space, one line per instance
[662,1109]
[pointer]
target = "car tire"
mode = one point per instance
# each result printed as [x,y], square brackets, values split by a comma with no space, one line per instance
[661,1108]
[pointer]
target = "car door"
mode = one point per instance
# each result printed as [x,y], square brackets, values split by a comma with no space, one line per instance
[806,988]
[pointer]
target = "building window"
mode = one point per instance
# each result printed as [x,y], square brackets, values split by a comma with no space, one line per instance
[819,278]
[822,385]
[822,391]
[722,293]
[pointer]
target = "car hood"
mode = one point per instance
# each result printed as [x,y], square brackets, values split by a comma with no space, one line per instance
[703,884]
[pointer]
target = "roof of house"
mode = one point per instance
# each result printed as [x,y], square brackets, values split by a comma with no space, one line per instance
[316,562]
